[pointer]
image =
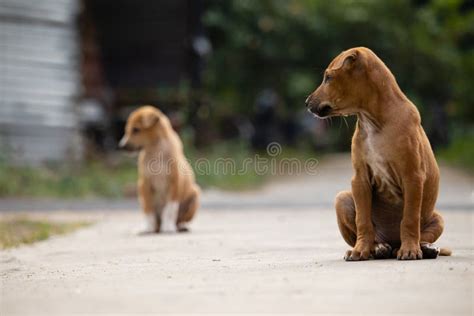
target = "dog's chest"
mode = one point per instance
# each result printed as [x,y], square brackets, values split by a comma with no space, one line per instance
[156,163]
[381,175]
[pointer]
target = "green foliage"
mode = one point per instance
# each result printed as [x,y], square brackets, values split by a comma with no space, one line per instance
[287,45]
[460,152]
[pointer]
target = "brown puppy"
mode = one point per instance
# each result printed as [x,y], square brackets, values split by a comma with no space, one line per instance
[395,185]
[165,175]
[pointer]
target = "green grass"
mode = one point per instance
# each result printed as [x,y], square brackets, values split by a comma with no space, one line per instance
[210,167]
[100,178]
[17,231]
[89,179]
[245,171]
[460,153]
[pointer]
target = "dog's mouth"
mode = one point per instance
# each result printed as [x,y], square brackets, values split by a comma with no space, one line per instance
[131,148]
[322,111]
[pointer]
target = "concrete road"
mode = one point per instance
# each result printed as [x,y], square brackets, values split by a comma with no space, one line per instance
[277,250]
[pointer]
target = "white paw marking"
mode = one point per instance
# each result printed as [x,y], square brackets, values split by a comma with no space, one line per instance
[169,217]
[150,222]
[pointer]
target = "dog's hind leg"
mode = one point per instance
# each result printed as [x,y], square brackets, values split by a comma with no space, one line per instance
[187,209]
[345,211]
[430,232]
[433,228]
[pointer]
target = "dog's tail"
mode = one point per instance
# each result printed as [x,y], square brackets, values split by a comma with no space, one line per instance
[445,252]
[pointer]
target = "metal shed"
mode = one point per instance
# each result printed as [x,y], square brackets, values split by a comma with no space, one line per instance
[39,80]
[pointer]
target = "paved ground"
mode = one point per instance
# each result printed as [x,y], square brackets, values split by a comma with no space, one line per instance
[273,251]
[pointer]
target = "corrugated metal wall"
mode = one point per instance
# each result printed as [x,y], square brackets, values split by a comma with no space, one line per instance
[39,80]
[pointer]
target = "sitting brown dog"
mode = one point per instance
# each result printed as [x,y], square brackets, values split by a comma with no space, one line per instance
[166,180]
[396,180]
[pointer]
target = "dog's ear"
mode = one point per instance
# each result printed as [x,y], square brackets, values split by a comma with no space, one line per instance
[350,59]
[149,119]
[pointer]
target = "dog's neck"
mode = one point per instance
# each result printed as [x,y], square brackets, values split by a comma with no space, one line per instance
[385,101]
[155,144]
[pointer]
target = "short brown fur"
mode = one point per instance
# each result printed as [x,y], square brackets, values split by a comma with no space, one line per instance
[396,177]
[164,173]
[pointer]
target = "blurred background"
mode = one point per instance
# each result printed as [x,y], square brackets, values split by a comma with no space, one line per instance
[232,76]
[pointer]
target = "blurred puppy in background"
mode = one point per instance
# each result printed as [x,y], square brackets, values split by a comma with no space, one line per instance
[166,185]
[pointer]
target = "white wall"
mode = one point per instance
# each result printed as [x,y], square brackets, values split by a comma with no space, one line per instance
[39,80]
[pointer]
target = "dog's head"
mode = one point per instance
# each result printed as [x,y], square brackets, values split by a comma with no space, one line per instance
[145,126]
[344,85]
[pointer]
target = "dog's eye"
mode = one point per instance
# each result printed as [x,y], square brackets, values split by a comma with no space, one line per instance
[135,130]
[328,78]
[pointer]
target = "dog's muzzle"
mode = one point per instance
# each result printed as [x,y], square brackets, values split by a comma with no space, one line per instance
[320,109]
[123,144]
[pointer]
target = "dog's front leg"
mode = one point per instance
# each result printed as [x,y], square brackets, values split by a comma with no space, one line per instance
[362,193]
[410,225]
[145,194]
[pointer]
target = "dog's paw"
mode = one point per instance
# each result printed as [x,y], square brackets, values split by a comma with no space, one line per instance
[145,232]
[182,229]
[382,251]
[359,253]
[352,255]
[429,251]
[409,252]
